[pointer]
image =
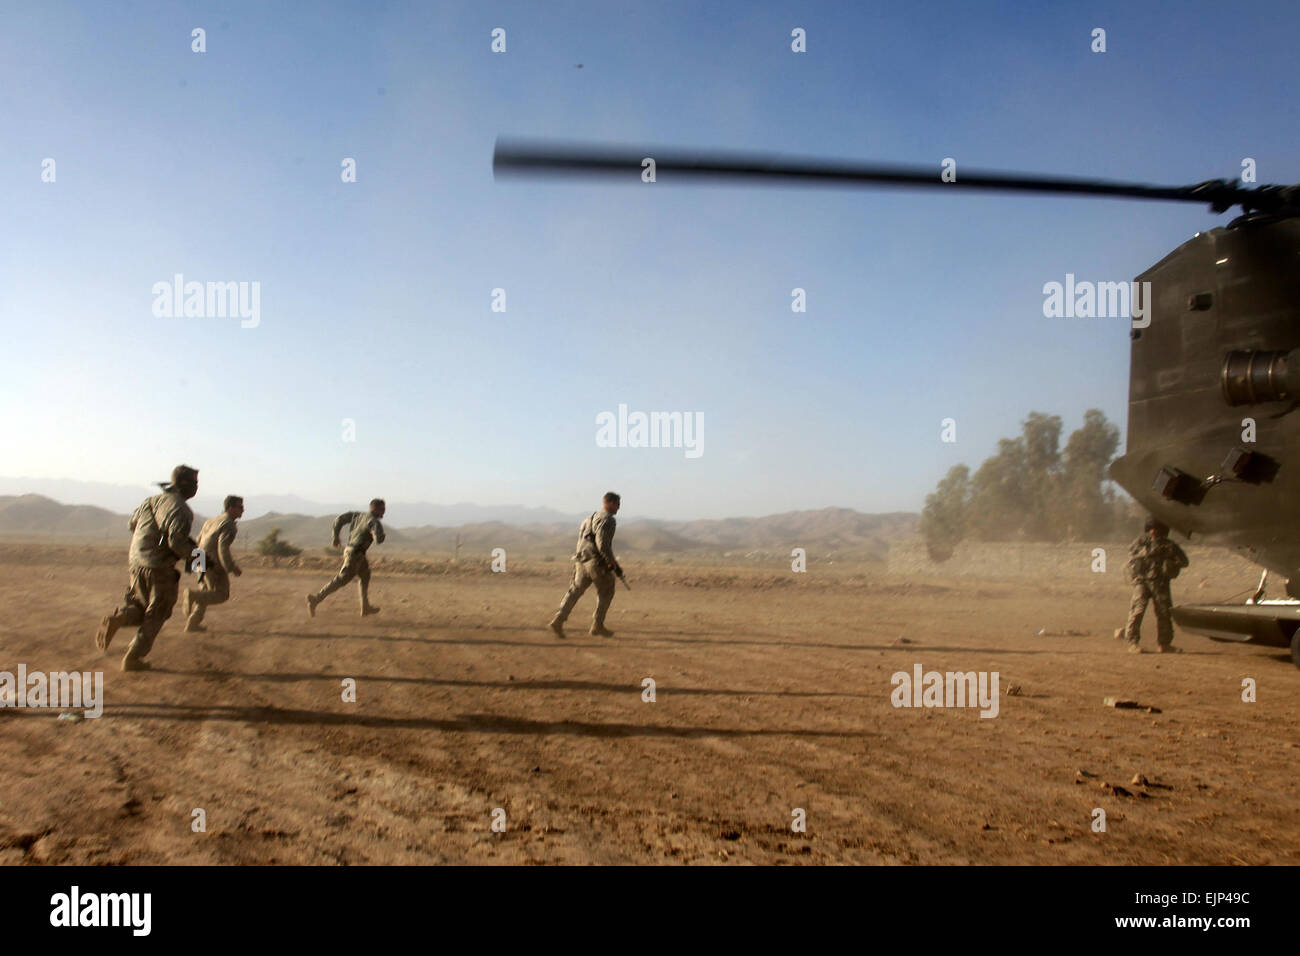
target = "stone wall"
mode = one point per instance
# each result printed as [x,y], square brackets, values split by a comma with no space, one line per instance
[992,560]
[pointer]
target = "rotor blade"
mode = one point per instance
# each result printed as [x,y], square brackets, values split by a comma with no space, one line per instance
[538,158]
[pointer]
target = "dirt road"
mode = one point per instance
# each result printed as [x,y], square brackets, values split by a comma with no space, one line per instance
[773,693]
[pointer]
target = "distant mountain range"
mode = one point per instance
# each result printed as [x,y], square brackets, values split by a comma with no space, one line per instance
[124,498]
[839,531]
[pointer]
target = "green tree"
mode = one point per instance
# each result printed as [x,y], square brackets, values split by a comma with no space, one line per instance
[997,494]
[944,517]
[1029,490]
[272,547]
[1041,508]
[1089,504]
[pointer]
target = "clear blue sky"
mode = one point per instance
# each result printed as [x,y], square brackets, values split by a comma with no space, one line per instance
[375,295]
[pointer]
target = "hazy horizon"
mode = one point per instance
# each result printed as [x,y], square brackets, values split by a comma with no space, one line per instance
[123,498]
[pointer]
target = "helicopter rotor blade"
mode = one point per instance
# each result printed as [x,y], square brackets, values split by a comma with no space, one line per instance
[531,158]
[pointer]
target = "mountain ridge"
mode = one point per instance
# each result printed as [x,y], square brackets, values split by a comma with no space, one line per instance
[832,529]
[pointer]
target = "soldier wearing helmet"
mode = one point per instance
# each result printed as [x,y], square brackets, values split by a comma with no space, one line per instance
[1153,562]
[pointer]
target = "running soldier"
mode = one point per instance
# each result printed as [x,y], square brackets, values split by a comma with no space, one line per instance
[365,529]
[594,564]
[1153,562]
[217,536]
[160,537]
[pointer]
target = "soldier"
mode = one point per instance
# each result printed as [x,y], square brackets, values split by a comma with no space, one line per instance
[161,537]
[594,564]
[217,536]
[365,528]
[1153,562]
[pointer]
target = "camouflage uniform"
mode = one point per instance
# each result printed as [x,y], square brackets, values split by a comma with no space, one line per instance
[594,564]
[161,537]
[1153,562]
[365,529]
[216,538]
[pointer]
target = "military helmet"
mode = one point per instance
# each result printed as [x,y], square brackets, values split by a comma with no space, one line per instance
[1154,524]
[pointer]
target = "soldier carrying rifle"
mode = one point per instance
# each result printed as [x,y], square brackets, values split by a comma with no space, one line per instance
[594,564]
[1153,562]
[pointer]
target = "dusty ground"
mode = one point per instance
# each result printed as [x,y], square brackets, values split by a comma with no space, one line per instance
[773,694]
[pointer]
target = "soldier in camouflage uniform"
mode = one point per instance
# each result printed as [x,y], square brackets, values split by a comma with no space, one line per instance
[215,539]
[365,528]
[1153,562]
[160,537]
[594,564]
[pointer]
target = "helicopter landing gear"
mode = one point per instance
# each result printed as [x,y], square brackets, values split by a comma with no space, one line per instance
[1295,647]
[1259,591]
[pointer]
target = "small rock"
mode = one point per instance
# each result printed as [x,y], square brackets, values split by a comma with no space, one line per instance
[1120,703]
[1115,791]
[72,717]
[1014,690]
[1139,780]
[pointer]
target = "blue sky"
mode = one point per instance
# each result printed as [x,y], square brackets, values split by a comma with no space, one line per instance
[375,295]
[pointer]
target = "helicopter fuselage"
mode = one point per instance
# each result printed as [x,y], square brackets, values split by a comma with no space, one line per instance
[1213,442]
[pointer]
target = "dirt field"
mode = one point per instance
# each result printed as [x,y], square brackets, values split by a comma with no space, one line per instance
[773,693]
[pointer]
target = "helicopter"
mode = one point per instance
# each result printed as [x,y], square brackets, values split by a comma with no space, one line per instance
[1213,383]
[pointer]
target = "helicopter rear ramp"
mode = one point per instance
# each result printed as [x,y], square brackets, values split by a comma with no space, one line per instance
[1273,623]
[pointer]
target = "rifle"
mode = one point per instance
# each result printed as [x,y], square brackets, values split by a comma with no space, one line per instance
[604,561]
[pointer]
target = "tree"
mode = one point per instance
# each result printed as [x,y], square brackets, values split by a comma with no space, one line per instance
[1089,505]
[1029,490]
[997,494]
[1041,435]
[272,547]
[944,517]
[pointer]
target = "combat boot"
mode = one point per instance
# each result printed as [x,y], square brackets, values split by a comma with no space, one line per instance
[368,610]
[1133,648]
[130,663]
[193,627]
[107,628]
[1169,649]
[601,631]
[311,605]
[557,626]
